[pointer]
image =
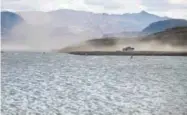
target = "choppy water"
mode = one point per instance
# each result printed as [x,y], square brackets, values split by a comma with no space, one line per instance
[61,84]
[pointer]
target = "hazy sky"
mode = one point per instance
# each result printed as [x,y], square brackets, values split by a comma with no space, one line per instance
[171,8]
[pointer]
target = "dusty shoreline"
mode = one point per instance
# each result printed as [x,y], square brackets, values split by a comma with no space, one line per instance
[129,53]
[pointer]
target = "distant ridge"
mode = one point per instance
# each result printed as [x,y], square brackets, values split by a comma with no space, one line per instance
[163,25]
[8,21]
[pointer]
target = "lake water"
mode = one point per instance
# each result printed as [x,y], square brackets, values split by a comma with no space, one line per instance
[62,84]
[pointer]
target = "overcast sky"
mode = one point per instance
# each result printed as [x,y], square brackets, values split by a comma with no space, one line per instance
[171,8]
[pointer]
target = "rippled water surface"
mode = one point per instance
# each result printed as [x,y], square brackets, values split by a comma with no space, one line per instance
[62,84]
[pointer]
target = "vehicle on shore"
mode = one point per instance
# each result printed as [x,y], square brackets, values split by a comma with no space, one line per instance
[128,49]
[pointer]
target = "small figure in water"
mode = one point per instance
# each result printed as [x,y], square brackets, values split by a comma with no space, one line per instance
[131,56]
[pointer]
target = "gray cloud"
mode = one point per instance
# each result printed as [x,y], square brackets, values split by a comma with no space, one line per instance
[17,5]
[107,6]
[162,5]
[3,1]
[112,4]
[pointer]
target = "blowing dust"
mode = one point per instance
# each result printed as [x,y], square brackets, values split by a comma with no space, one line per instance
[26,37]
[41,35]
[38,33]
[120,44]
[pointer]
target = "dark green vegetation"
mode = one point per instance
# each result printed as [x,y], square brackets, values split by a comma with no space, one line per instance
[173,36]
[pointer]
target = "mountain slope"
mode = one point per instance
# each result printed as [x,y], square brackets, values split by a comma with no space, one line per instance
[8,21]
[172,36]
[170,40]
[163,25]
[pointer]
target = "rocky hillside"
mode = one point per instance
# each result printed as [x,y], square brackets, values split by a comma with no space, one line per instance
[173,36]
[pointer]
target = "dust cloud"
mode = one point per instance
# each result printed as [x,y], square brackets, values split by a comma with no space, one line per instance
[38,34]
[120,44]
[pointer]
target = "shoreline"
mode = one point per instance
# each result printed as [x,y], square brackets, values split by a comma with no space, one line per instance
[129,53]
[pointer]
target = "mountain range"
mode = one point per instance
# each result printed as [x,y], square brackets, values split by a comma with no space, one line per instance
[92,23]
[87,22]
[74,23]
